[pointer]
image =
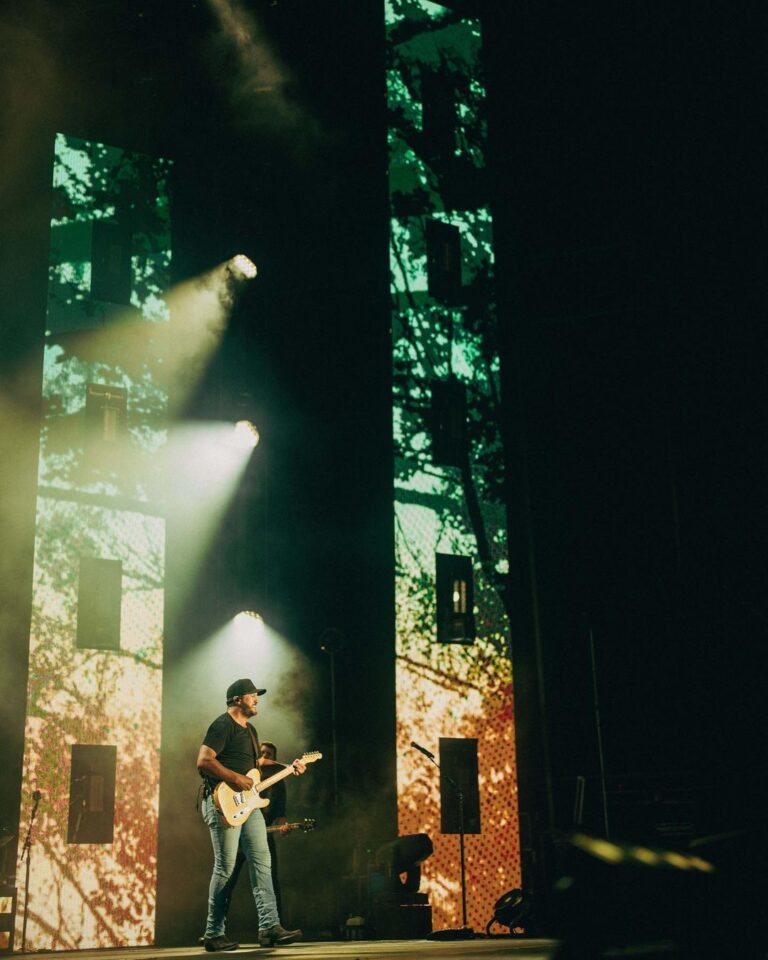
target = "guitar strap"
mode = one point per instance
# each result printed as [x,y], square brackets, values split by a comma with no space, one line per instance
[255,743]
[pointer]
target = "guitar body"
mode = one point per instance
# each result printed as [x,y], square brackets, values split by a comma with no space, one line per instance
[235,806]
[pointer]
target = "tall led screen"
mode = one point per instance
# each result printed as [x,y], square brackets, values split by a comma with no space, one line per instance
[92,736]
[454,671]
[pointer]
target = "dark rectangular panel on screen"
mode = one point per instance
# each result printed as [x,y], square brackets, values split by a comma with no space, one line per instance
[455,598]
[458,763]
[105,414]
[111,262]
[449,423]
[92,794]
[99,595]
[443,242]
[439,115]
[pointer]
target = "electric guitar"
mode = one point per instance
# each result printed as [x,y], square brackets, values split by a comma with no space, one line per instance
[236,806]
[305,825]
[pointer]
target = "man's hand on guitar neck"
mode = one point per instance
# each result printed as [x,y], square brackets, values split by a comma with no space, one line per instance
[270,767]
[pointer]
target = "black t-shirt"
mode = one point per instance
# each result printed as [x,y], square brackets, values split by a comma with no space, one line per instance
[232,744]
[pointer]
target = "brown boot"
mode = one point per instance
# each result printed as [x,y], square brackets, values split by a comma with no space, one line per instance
[214,944]
[278,936]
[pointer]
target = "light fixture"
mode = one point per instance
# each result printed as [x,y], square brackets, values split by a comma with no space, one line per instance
[246,433]
[242,267]
[404,855]
[249,628]
[247,616]
[510,910]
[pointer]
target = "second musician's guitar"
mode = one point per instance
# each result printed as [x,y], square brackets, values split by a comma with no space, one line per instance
[237,805]
[305,825]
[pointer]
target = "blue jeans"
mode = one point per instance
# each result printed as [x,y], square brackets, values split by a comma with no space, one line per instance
[251,837]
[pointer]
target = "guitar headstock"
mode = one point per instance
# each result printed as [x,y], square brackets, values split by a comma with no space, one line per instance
[306,825]
[311,757]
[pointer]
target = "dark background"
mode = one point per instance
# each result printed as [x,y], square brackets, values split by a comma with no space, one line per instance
[627,158]
[632,249]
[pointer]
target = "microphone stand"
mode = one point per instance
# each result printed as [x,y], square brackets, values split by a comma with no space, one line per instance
[331,641]
[465,932]
[25,852]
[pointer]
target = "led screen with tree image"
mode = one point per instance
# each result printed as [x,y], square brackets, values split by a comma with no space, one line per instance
[92,731]
[454,672]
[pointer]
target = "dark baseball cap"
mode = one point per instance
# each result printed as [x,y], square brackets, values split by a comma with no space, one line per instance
[240,687]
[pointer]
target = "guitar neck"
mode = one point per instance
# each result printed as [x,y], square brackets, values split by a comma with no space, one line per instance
[275,827]
[275,778]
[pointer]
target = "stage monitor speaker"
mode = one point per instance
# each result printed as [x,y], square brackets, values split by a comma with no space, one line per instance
[458,763]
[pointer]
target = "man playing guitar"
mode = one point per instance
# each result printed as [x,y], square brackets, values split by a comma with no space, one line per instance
[229,750]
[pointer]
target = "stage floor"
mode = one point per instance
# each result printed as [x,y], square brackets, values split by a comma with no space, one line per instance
[481,949]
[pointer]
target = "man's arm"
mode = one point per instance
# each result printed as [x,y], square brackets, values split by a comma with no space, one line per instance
[265,763]
[208,765]
[269,766]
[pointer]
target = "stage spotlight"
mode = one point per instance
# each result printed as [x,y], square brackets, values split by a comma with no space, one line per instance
[404,855]
[242,267]
[246,434]
[249,628]
[246,616]
[510,910]
[399,911]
